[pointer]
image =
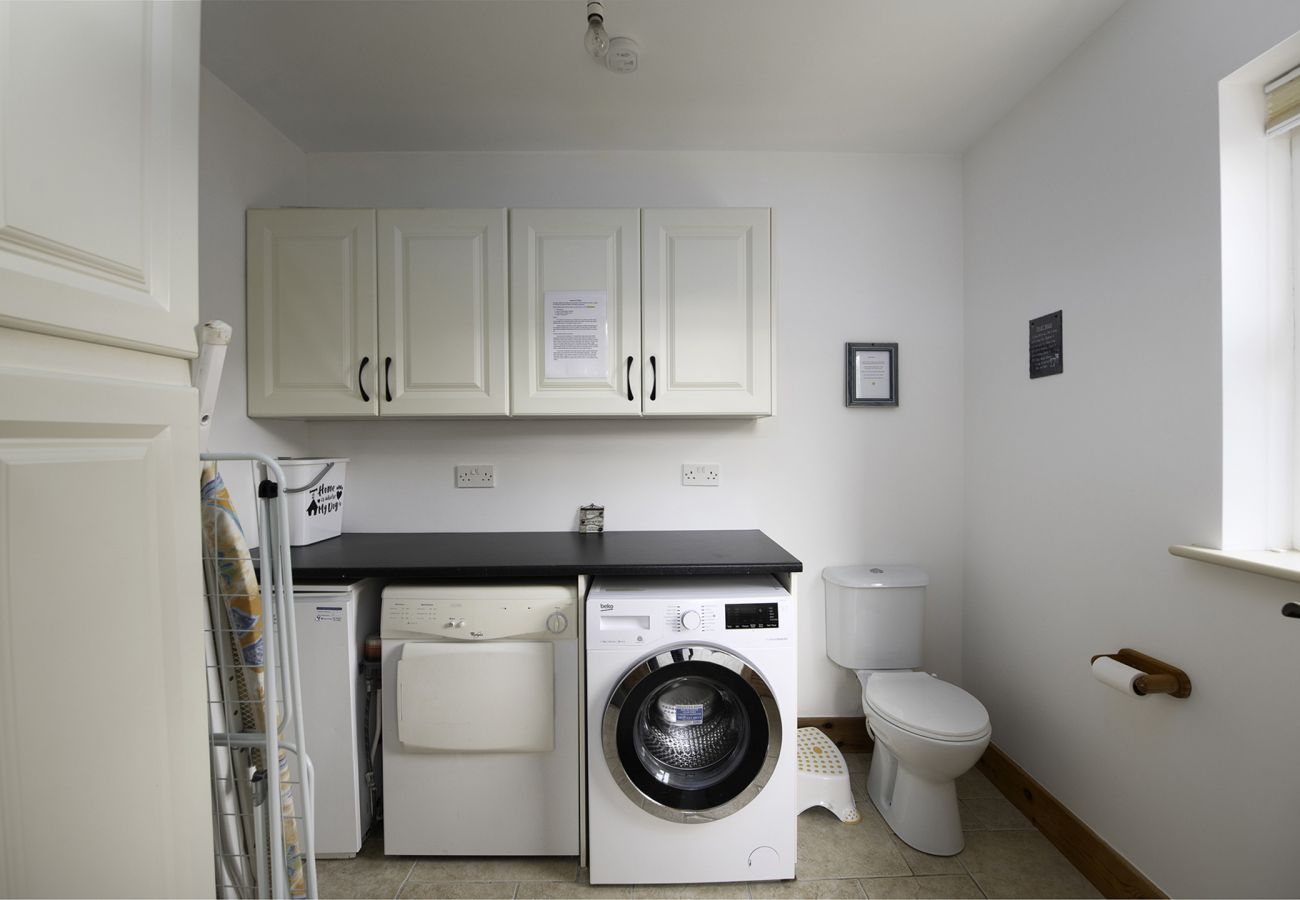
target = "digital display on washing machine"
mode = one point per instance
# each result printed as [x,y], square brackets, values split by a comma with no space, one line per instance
[752,615]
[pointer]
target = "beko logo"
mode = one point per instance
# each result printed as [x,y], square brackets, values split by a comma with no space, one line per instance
[607,607]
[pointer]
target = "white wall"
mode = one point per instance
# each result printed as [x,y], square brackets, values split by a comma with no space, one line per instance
[868,248]
[242,161]
[1099,195]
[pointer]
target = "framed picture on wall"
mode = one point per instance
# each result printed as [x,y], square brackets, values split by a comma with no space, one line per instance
[871,374]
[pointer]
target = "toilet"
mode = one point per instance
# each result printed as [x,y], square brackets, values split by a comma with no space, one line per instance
[927,732]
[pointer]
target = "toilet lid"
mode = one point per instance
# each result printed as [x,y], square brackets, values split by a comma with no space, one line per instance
[926,705]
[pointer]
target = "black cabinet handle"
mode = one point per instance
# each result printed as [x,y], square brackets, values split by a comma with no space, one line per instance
[1291,610]
[654,378]
[388,378]
[360,383]
[629,379]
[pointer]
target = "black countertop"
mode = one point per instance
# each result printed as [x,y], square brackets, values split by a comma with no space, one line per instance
[530,554]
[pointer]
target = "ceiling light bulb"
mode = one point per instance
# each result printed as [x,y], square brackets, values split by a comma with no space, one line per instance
[597,39]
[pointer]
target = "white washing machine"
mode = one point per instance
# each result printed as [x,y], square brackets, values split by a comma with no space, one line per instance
[691,721]
[481,734]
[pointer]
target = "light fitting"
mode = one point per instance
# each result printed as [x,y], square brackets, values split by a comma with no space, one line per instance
[622,56]
[597,39]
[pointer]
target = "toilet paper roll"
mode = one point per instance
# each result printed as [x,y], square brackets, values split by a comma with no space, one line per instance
[1113,673]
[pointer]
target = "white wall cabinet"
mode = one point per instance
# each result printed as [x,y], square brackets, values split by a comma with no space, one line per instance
[557,254]
[683,298]
[442,312]
[104,787]
[611,312]
[357,312]
[706,311]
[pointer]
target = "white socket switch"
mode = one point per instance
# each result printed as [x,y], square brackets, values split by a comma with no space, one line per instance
[475,477]
[700,474]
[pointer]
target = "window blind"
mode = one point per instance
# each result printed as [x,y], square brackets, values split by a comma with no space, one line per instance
[1283,98]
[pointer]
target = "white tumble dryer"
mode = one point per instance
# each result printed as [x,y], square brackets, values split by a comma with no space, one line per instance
[481,735]
[691,721]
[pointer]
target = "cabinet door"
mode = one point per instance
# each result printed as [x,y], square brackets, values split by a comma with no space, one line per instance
[312,346]
[707,317]
[104,786]
[99,140]
[575,312]
[443,339]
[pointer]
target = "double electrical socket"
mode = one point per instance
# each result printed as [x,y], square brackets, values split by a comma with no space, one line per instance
[475,477]
[700,474]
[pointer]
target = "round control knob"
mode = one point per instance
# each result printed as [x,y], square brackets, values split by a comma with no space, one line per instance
[556,623]
[690,620]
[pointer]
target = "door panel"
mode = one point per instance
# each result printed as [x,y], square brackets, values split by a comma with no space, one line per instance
[99,171]
[312,344]
[595,253]
[442,311]
[103,756]
[707,311]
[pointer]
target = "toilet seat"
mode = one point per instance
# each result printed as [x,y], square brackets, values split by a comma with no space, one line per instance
[925,705]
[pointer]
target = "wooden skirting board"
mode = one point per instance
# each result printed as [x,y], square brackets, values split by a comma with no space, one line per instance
[848,732]
[1109,872]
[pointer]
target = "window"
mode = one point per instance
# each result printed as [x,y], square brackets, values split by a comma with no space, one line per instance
[1259,144]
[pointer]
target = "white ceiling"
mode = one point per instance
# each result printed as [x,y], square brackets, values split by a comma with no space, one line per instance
[851,75]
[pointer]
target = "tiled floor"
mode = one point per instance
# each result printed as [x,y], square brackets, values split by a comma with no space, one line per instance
[1004,857]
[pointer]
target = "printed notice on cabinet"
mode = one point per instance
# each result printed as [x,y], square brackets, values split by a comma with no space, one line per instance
[577,334]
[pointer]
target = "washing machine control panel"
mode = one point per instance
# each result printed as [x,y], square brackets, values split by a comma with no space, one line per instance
[627,614]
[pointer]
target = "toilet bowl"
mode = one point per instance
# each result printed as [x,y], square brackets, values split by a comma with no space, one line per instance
[927,733]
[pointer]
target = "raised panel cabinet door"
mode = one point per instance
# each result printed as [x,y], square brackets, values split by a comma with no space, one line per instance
[707,312]
[443,337]
[575,312]
[312,344]
[104,787]
[99,172]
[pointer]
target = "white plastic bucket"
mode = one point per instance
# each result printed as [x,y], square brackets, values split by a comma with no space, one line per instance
[314,492]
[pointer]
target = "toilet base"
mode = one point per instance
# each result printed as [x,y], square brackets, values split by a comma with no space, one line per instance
[922,813]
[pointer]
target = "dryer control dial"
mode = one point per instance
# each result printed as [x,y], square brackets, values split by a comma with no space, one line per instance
[690,620]
[556,623]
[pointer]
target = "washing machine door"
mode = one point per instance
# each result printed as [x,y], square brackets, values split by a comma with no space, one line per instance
[695,731]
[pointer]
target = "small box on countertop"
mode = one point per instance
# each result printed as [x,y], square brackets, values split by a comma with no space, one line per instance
[591,519]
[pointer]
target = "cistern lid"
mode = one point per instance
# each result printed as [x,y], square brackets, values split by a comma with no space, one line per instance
[926,705]
[876,576]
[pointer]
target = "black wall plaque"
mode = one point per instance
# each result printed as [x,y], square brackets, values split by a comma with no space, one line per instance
[1046,356]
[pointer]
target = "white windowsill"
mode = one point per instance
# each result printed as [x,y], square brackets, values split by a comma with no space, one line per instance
[1283,564]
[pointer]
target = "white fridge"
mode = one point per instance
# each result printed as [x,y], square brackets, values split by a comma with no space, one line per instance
[333,621]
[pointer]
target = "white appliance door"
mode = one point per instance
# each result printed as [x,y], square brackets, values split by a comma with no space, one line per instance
[691,729]
[328,666]
[479,698]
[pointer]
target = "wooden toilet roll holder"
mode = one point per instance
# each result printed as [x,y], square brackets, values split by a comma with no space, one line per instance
[1159,677]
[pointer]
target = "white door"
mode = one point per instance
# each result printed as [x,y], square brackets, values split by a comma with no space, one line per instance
[103,759]
[103,747]
[312,343]
[707,312]
[98,137]
[443,339]
[575,312]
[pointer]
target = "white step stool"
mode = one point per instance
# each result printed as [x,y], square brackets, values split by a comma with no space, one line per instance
[824,777]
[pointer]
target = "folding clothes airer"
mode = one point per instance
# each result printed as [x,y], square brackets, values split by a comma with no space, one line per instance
[253,688]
